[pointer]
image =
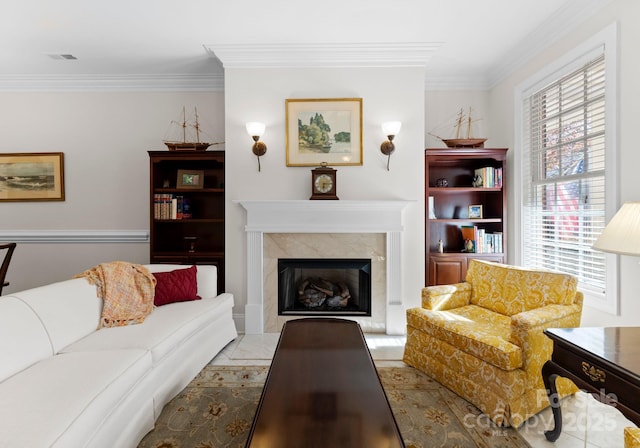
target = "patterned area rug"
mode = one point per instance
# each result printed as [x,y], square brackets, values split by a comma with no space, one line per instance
[217,407]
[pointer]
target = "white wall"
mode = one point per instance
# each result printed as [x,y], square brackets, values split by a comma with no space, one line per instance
[387,94]
[105,138]
[441,111]
[626,13]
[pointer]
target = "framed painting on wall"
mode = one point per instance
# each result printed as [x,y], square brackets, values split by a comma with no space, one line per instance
[324,131]
[36,176]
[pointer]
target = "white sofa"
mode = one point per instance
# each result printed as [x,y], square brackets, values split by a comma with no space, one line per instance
[64,384]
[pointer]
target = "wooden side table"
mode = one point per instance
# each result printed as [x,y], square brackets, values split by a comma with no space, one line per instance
[604,361]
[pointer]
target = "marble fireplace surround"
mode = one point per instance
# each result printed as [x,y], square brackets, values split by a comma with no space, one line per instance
[380,218]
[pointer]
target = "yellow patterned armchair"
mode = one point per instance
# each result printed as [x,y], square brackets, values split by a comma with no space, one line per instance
[484,340]
[631,437]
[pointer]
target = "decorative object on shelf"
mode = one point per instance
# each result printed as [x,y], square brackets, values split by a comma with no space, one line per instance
[477,181]
[185,134]
[442,182]
[323,183]
[469,237]
[622,234]
[191,243]
[324,130]
[440,247]
[390,129]
[36,176]
[475,212]
[190,179]
[463,139]
[256,130]
[432,208]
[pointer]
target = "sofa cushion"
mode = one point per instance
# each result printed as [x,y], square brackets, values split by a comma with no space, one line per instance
[207,276]
[163,331]
[23,338]
[472,329]
[63,400]
[179,285]
[69,309]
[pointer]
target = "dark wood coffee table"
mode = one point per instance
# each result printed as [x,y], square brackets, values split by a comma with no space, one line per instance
[604,361]
[323,390]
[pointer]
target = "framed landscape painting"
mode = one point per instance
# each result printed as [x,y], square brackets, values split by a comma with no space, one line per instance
[37,176]
[324,131]
[190,179]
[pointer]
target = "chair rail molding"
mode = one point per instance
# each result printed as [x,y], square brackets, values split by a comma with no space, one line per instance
[75,236]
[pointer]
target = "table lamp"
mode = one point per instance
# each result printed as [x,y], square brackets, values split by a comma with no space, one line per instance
[622,234]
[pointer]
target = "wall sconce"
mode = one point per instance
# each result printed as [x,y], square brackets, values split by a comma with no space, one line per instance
[390,129]
[255,130]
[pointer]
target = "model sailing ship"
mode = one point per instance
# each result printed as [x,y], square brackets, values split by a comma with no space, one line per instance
[184,135]
[463,140]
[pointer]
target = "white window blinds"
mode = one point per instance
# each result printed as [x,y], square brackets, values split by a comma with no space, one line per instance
[564,175]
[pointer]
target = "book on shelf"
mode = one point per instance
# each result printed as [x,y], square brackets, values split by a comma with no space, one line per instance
[169,206]
[477,240]
[469,237]
[488,177]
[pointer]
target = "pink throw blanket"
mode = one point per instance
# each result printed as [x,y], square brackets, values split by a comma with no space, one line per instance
[126,289]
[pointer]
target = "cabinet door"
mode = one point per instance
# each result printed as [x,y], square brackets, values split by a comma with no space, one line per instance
[447,270]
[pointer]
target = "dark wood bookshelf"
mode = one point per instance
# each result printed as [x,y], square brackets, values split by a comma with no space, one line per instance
[200,238]
[451,206]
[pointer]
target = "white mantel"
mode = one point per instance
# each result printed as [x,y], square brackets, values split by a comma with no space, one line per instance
[305,216]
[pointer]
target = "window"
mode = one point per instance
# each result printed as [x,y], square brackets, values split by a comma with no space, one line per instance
[565,163]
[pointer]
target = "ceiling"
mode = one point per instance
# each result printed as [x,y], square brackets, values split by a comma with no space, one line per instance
[473,43]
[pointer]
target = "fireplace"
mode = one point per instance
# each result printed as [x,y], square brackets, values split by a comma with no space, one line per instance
[324,286]
[325,223]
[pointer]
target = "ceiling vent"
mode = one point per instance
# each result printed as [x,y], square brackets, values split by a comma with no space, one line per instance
[58,57]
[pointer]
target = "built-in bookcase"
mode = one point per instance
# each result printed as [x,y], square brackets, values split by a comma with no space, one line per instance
[466,210]
[187,208]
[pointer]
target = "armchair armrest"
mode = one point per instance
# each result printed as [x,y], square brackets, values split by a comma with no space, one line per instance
[527,332]
[446,297]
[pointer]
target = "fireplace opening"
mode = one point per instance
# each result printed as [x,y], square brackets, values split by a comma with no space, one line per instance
[325,286]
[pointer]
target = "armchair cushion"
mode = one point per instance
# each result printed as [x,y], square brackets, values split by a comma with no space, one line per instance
[510,290]
[475,330]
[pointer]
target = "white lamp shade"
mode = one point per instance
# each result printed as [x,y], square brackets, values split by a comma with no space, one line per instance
[391,127]
[622,234]
[255,128]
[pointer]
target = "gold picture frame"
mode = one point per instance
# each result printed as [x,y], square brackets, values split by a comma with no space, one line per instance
[32,176]
[192,179]
[327,130]
[475,212]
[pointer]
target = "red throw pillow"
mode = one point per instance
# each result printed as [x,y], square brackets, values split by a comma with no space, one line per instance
[179,285]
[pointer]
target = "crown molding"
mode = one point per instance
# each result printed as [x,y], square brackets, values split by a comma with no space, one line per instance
[112,83]
[324,55]
[475,81]
[568,17]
